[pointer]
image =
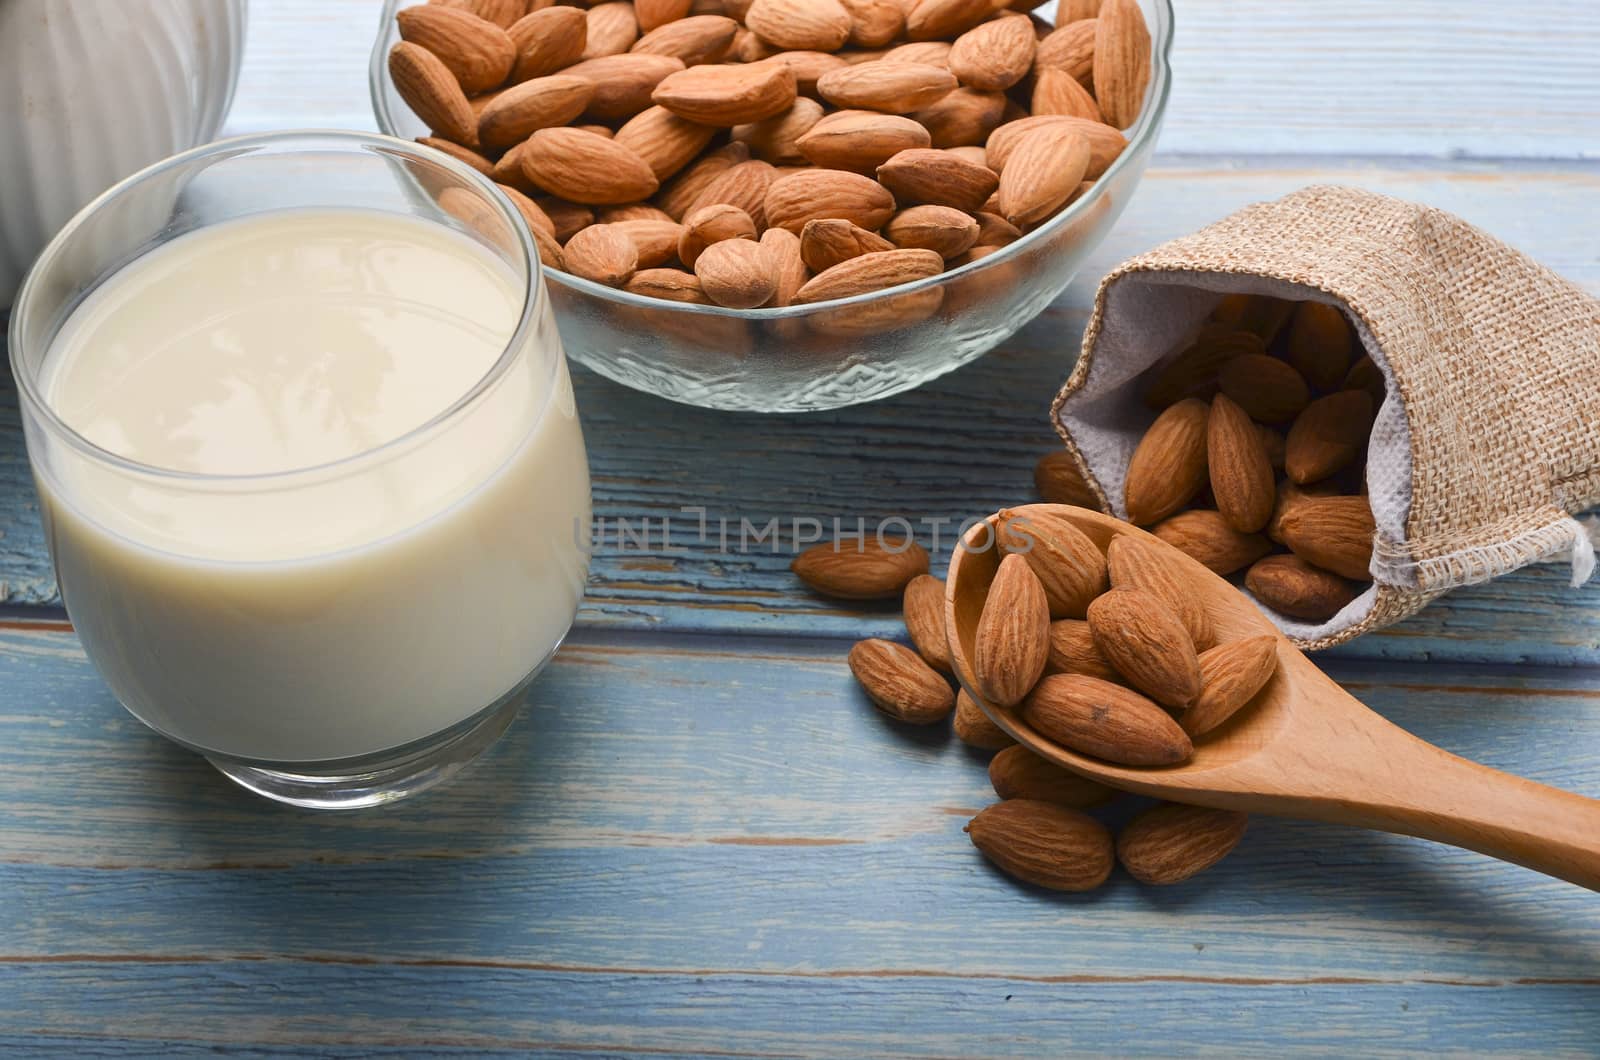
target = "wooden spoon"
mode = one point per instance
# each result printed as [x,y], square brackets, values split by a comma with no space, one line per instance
[1305,747]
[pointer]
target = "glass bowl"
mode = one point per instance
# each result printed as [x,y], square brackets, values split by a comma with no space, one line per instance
[830,354]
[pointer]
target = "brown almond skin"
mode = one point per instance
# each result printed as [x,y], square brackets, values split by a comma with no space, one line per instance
[1265,387]
[1293,587]
[1240,470]
[712,224]
[1105,721]
[945,231]
[1334,533]
[1168,467]
[1073,651]
[1058,480]
[826,241]
[602,253]
[736,274]
[1170,843]
[936,177]
[1328,436]
[1193,372]
[860,569]
[899,683]
[432,93]
[1136,564]
[1230,676]
[974,728]
[923,609]
[795,198]
[1366,375]
[478,68]
[1321,344]
[1044,844]
[1205,535]
[1013,637]
[1071,567]
[1018,773]
[1147,642]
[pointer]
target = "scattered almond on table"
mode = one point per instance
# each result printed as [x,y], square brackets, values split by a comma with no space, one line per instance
[918,135]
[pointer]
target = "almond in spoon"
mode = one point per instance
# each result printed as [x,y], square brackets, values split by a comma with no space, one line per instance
[1013,636]
[1148,644]
[1230,676]
[1105,721]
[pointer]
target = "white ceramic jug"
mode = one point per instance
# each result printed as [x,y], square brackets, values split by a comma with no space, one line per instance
[93,90]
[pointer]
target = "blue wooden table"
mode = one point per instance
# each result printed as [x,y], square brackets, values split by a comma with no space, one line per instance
[699,838]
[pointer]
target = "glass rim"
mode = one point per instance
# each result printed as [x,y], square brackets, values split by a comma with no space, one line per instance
[1141,137]
[22,310]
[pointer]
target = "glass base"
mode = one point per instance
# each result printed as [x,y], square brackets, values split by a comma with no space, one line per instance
[376,780]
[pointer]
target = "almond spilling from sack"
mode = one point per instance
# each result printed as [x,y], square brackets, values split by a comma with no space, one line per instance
[945,127]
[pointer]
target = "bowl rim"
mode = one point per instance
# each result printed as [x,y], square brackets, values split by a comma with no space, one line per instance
[1140,139]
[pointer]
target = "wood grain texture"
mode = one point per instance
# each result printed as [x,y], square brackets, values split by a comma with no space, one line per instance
[736,843]
[941,453]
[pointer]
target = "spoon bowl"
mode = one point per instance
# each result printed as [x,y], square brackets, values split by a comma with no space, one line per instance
[1304,747]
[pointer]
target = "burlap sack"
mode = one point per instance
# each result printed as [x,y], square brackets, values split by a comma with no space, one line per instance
[1489,440]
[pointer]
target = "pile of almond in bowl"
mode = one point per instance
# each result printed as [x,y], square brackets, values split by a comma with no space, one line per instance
[1101,652]
[754,153]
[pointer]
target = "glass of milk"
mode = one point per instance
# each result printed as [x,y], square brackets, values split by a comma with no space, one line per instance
[307,458]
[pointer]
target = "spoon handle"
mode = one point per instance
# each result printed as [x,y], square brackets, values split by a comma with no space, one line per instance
[1436,795]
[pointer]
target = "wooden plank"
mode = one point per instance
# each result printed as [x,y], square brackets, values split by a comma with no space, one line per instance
[671,806]
[1446,78]
[263,1007]
[961,446]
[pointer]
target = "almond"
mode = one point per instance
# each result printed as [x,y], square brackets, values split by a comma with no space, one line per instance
[899,683]
[1018,773]
[975,728]
[1013,635]
[1170,843]
[1073,651]
[653,14]
[1328,436]
[776,139]
[825,242]
[870,272]
[797,198]
[1193,372]
[932,52]
[1070,49]
[1105,721]
[893,88]
[476,51]
[802,25]
[874,23]
[1138,564]
[550,253]
[1105,143]
[548,40]
[807,67]
[736,274]
[712,224]
[1293,587]
[1366,375]
[1057,476]
[1058,92]
[1044,844]
[922,607]
[727,95]
[928,175]
[1264,315]
[508,170]
[680,196]
[995,231]
[1148,644]
[531,211]
[1206,536]
[1241,474]
[655,240]
[964,118]
[582,167]
[695,40]
[1069,565]
[1168,467]
[674,285]
[542,103]
[567,217]
[788,268]
[744,185]
[1321,344]
[623,83]
[1290,495]
[611,29]
[938,19]
[1121,61]
[862,569]
[995,55]
[432,93]
[459,153]
[1265,387]
[501,12]
[1230,676]
[665,141]
[860,141]
[1334,533]
[941,229]
[602,253]
[1043,172]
